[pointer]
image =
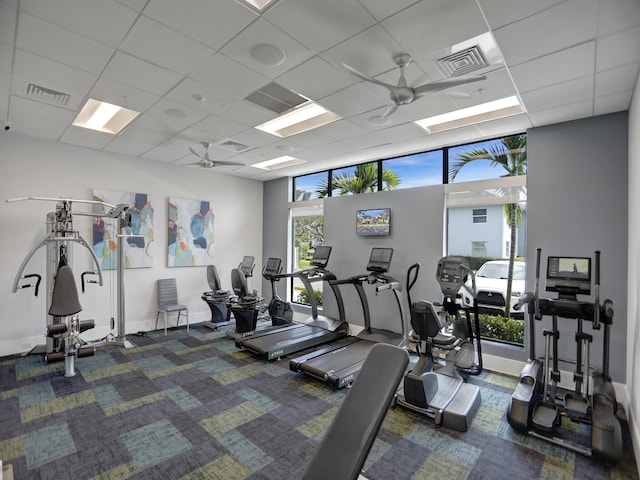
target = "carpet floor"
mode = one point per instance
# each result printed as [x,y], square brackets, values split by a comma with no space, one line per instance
[193,406]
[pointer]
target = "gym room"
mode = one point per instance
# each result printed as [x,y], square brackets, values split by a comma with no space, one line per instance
[271,258]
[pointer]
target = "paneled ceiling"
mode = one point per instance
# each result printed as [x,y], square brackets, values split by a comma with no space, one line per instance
[188,65]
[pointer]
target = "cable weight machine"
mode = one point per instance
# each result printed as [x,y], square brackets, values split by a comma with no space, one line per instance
[63,341]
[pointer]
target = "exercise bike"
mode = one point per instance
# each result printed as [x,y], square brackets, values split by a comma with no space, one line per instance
[437,388]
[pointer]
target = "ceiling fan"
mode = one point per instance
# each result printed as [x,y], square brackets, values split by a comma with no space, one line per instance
[206,162]
[402,94]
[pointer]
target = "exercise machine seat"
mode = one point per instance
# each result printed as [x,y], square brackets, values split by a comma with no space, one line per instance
[64,299]
[348,440]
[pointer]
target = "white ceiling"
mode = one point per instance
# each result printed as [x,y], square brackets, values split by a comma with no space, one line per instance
[565,59]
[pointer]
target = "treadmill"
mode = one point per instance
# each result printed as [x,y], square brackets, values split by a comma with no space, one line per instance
[338,364]
[316,330]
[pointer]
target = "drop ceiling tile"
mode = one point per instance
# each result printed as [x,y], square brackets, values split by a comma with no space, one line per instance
[229,77]
[215,128]
[565,25]
[255,138]
[498,84]
[618,49]
[356,99]
[505,126]
[4,104]
[140,74]
[85,138]
[499,14]
[429,26]
[566,93]
[165,47]
[169,151]
[168,117]
[315,79]
[106,22]
[49,121]
[50,41]
[29,68]
[371,52]
[134,141]
[124,95]
[382,9]
[197,95]
[7,23]
[263,32]
[567,64]
[616,15]
[245,113]
[210,23]
[326,134]
[562,113]
[616,102]
[136,5]
[320,25]
[616,80]
[6,58]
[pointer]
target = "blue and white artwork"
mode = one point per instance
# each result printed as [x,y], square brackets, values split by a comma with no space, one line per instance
[190,235]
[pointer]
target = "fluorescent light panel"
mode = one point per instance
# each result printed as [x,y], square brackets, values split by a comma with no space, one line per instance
[104,117]
[306,117]
[280,162]
[259,5]
[485,112]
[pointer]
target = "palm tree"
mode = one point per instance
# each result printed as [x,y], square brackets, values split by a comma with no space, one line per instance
[363,179]
[510,154]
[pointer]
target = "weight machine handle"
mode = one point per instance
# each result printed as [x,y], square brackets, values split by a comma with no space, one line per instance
[37,285]
[596,307]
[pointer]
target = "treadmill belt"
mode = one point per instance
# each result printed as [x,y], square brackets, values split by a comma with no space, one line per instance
[337,360]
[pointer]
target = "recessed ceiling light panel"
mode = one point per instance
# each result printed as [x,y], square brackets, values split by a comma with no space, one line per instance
[301,119]
[280,162]
[104,117]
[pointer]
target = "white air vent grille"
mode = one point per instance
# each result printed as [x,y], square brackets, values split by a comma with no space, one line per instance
[231,145]
[463,62]
[46,94]
[276,98]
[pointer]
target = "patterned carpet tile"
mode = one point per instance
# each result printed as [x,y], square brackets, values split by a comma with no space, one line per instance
[192,406]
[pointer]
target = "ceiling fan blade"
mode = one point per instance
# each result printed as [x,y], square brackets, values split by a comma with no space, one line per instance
[439,85]
[194,152]
[390,109]
[367,78]
[223,163]
[195,163]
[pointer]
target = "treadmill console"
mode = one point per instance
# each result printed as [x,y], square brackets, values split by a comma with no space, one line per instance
[452,273]
[321,256]
[380,260]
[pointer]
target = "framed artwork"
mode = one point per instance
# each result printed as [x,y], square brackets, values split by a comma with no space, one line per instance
[190,236]
[139,246]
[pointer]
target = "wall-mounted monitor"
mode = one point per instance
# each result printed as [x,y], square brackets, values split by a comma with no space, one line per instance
[373,222]
[569,276]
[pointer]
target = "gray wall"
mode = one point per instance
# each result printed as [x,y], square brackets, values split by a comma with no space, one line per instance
[577,203]
[275,233]
[416,236]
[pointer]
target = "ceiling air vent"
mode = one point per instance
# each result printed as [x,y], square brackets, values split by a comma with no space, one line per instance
[231,145]
[47,95]
[275,98]
[463,62]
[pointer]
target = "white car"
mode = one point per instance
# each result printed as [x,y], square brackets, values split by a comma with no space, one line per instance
[491,284]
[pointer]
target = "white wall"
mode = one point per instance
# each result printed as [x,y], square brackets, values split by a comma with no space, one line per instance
[462,231]
[34,167]
[633,299]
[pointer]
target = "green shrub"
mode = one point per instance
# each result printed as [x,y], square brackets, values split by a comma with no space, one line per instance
[502,328]
[303,297]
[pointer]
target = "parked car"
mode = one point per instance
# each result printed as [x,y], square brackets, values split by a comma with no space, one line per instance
[491,283]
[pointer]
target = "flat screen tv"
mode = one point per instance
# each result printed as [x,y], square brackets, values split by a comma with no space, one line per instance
[373,222]
[569,276]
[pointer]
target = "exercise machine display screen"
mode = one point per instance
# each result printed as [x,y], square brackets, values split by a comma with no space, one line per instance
[569,276]
[321,256]
[451,272]
[380,260]
[273,266]
[246,267]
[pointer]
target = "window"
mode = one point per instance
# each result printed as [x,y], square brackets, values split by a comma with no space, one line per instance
[479,249]
[309,187]
[410,171]
[308,233]
[361,178]
[479,215]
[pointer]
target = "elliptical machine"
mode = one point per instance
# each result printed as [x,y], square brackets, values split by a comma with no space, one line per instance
[536,407]
[217,299]
[442,393]
[279,310]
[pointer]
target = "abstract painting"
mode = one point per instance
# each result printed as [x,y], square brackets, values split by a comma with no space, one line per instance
[138,248]
[190,236]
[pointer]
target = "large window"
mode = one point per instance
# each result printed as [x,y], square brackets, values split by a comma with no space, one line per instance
[411,171]
[308,233]
[309,187]
[361,178]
